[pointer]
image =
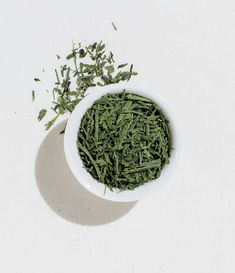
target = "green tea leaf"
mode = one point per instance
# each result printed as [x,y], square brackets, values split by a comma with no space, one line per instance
[82,53]
[110,68]
[122,65]
[114,27]
[51,123]
[42,114]
[33,95]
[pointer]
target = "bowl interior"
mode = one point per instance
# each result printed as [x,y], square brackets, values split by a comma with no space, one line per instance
[76,165]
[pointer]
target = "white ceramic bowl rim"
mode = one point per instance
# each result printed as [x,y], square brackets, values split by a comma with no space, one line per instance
[75,162]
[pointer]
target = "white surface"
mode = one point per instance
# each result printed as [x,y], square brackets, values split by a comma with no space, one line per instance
[76,165]
[185,49]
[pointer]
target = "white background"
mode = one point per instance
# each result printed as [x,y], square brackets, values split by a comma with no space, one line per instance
[186,50]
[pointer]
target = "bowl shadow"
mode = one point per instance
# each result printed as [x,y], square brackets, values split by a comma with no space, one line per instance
[63,193]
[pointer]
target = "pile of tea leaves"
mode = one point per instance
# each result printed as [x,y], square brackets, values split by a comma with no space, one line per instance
[84,67]
[124,140]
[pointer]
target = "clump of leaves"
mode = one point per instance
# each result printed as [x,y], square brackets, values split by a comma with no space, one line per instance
[124,140]
[87,67]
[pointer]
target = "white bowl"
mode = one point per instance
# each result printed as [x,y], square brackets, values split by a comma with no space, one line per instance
[75,162]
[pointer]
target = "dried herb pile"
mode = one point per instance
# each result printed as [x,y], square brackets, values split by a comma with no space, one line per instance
[124,140]
[85,67]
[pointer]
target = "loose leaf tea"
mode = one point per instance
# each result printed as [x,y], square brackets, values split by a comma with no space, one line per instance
[114,27]
[33,95]
[42,114]
[86,67]
[124,140]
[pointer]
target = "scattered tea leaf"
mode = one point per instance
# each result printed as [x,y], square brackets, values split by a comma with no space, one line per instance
[122,65]
[33,95]
[85,67]
[110,68]
[114,27]
[42,114]
[51,122]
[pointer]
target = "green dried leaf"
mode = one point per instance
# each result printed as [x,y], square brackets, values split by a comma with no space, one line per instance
[33,95]
[82,53]
[114,27]
[42,114]
[122,65]
[109,68]
[51,123]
